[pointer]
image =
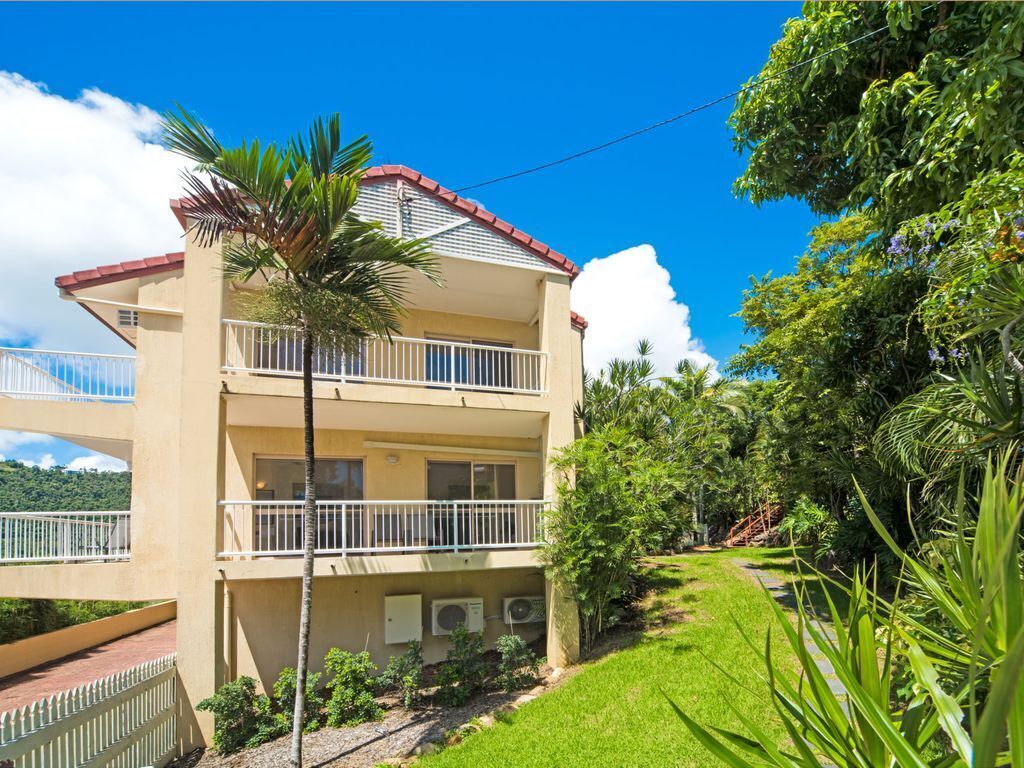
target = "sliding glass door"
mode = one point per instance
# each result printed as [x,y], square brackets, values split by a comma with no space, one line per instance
[468,523]
[458,363]
[279,526]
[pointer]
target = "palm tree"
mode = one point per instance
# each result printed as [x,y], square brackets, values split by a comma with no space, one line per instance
[286,216]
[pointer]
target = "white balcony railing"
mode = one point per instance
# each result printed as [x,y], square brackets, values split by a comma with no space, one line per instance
[41,537]
[275,528]
[277,350]
[40,374]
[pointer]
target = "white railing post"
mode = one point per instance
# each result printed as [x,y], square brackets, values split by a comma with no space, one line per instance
[451,366]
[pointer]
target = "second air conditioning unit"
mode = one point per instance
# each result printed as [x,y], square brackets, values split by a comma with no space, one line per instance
[523,610]
[448,614]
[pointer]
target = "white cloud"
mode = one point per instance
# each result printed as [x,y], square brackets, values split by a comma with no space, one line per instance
[12,441]
[46,461]
[627,297]
[98,462]
[82,183]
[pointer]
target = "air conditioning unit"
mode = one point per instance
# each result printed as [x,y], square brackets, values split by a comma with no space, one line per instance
[448,614]
[523,610]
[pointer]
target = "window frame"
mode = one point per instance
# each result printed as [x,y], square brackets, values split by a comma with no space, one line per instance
[472,478]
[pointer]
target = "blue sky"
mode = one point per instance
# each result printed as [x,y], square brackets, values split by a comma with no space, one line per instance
[465,92]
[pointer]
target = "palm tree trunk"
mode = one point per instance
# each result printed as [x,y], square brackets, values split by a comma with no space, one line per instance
[309,543]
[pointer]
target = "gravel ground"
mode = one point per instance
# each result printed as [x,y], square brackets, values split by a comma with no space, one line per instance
[360,746]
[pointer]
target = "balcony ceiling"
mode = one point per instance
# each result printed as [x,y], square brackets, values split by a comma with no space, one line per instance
[480,289]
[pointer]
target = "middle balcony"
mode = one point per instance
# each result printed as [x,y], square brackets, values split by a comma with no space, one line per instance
[276,528]
[261,349]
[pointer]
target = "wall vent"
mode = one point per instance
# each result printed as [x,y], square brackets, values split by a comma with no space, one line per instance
[127,318]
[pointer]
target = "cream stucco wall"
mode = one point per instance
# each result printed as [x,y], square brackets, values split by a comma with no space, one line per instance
[405,480]
[422,324]
[348,613]
[156,448]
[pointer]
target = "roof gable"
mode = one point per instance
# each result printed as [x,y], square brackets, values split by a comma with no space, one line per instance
[411,205]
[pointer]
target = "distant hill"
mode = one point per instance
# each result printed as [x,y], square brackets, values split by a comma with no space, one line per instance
[31,489]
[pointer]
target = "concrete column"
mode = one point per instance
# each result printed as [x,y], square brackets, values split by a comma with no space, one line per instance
[556,338]
[200,480]
[155,455]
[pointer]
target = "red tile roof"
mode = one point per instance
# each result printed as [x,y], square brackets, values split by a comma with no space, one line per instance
[579,322]
[124,270]
[473,211]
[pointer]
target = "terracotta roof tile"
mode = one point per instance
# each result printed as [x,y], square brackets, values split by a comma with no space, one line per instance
[578,321]
[109,273]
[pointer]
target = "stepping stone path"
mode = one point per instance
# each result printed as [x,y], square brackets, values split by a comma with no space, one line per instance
[782,592]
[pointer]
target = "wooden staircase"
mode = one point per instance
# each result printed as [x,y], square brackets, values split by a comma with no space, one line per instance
[757,524]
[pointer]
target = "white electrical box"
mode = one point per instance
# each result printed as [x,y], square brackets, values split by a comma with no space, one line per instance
[403,618]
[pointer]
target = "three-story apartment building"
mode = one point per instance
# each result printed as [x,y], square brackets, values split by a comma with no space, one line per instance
[432,472]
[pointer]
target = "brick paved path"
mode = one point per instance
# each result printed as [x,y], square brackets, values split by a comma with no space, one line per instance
[86,666]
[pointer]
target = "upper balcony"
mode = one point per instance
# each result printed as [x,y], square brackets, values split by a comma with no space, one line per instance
[257,348]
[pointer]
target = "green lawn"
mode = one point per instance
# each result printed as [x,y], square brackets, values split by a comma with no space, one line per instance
[614,712]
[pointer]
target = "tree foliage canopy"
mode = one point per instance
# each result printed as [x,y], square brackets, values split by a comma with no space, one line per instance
[900,122]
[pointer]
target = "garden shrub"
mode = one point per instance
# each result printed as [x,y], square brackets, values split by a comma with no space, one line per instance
[616,498]
[284,699]
[463,672]
[810,525]
[351,687]
[241,717]
[519,666]
[405,673]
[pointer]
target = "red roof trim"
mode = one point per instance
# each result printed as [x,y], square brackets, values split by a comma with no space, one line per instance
[125,270]
[473,211]
[179,214]
[578,321]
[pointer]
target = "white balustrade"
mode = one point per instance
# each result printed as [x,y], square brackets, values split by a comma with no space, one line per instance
[40,537]
[277,350]
[275,528]
[40,374]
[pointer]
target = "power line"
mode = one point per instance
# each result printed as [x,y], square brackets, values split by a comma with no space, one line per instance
[669,120]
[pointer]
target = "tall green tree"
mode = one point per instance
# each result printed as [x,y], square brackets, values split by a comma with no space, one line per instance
[285,214]
[905,114]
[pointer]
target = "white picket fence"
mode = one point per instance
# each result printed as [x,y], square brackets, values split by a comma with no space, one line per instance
[126,720]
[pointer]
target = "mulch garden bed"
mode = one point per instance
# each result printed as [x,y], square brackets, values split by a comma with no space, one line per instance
[396,739]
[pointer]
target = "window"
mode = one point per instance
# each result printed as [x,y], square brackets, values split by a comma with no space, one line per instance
[467,480]
[284,479]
